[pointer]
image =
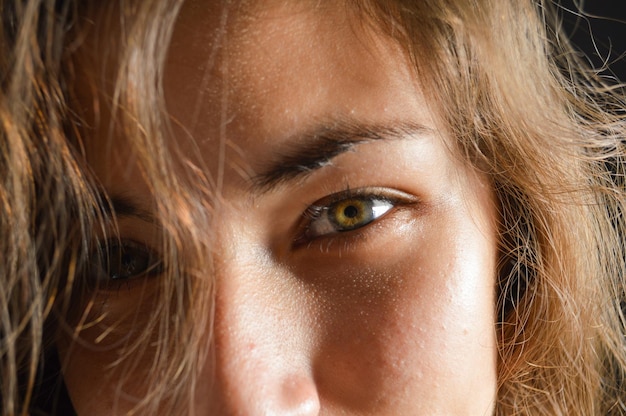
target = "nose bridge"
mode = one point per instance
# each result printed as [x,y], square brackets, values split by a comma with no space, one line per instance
[260,362]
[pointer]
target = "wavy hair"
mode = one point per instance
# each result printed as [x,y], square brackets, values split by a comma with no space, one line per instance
[516,101]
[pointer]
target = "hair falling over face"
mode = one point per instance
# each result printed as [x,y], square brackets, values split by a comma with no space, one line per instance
[308,207]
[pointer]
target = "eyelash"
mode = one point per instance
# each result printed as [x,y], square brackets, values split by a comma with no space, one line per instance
[349,211]
[120,260]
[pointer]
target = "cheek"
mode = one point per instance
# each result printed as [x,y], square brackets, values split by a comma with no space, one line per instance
[415,332]
[99,361]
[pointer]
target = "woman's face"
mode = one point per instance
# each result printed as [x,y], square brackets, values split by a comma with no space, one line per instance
[355,256]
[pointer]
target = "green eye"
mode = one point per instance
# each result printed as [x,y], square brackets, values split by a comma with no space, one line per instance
[120,260]
[353,213]
[346,214]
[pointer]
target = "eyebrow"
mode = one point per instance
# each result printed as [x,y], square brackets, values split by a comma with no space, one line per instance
[315,149]
[123,206]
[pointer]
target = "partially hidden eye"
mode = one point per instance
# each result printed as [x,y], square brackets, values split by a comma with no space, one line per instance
[124,259]
[345,212]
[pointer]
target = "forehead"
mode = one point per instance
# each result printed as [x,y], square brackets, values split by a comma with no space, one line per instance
[278,67]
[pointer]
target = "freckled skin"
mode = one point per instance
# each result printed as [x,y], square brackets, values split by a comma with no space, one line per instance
[394,318]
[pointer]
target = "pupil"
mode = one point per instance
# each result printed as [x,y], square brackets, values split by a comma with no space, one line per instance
[351,211]
[131,264]
[127,261]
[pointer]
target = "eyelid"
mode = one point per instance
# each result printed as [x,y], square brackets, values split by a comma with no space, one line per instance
[388,194]
[396,197]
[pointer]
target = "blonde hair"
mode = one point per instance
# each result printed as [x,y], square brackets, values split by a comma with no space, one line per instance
[40,213]
[507,88]
[547,133]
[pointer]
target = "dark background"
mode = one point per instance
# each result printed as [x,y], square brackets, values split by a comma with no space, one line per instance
[605,22]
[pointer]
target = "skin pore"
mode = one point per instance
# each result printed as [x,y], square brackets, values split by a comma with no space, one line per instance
[356,278]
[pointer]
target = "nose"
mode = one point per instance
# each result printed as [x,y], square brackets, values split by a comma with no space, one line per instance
[260,362]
